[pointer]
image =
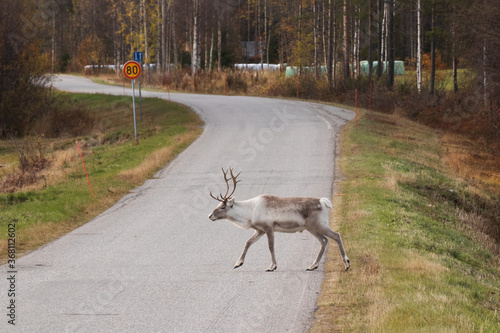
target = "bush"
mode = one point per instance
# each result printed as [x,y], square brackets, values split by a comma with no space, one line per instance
[32,159]
[32,153]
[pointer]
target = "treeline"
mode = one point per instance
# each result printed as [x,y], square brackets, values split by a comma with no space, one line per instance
[214,34]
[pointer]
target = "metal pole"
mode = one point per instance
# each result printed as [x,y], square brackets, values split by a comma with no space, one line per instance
[133,102]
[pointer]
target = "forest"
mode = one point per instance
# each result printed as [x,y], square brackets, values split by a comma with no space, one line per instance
[329,38]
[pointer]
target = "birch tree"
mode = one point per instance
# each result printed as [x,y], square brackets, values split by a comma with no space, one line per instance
[346,41]
[380,12]
[370,44]
[163,60]
[329,63]
[195,60]
[390,45]
[419,45]
[433,49]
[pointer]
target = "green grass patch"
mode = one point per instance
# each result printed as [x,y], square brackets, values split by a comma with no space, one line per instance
[422,242]
[114,161]
[444,79]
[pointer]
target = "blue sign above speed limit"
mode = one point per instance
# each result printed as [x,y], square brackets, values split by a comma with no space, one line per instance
[138,56]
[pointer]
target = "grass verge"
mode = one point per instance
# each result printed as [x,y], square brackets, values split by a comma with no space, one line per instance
[423,242]
[62,201]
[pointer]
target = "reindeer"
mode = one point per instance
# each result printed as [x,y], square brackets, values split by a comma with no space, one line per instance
[267,214]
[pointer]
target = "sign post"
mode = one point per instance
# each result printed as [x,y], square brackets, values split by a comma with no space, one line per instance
[138,56]
[132,70]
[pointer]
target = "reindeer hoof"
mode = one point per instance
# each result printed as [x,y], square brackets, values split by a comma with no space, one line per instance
[313,267]
[348,265]
[272,269]
[238,265]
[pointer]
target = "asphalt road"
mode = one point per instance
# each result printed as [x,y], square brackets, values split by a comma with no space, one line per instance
[154,262]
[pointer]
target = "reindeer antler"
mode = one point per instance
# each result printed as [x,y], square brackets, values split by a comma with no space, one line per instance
[226,197]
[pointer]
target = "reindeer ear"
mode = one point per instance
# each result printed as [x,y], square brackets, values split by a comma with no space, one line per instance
[230,202]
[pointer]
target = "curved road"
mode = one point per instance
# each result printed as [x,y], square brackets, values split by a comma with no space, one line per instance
[154,262]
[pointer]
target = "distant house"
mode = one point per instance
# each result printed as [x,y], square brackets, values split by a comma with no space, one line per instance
[251,51]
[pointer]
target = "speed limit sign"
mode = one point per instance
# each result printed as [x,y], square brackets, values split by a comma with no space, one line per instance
[132,70]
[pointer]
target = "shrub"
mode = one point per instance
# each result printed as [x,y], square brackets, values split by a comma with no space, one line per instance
[32,159]
[426,61]
[32,153]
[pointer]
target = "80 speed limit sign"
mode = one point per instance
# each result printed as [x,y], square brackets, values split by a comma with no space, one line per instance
[132,70]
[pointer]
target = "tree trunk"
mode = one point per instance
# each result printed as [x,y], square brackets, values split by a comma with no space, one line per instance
[248,31]
[158,37]
[53,42]
[354,23]
[315,41]
[347,43]
[219,44]
[299,34]
[419,45]
[433,55]
[116,48]
[211,46]
[370,47]
[485,75]
[174,44]
[170,38]
[384,36]
[455,73]
[357,42]
[324,10]
[163,37]
[454,61]
[146,42]
[380,39]
[334,53]
[194,52]
[266,33]
[390,45]
[329,63]
[205,46]
[258,37]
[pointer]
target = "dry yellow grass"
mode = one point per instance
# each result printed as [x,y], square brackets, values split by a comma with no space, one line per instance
[156,160]
[477,162]
[152,162]
[60,163]
[37,235]
[62,157]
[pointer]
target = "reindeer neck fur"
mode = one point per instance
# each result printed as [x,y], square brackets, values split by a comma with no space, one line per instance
[241,213]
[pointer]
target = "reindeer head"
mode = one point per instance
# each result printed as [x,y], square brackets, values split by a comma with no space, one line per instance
[226,201]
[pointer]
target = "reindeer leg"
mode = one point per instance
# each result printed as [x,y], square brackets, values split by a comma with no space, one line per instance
[324,242]
[249,242]
[270,240]
[336,237]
